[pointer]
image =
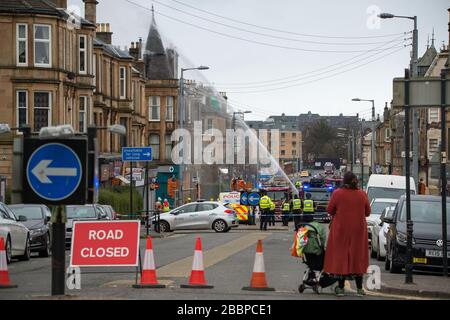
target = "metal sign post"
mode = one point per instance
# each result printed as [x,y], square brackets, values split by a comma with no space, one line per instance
[443,174]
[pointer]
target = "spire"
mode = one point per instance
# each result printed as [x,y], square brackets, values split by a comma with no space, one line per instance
[153,13]
[432,39]
[428,41]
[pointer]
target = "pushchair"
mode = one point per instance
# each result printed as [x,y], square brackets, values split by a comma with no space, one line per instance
[314,278]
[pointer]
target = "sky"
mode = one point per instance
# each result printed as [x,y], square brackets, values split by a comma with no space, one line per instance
[286,56]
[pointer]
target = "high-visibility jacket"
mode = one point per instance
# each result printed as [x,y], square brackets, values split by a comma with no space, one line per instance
[166,207]
[308,206]
[298,184]
[264,202]
[272,205]
[296,204]
[286,207]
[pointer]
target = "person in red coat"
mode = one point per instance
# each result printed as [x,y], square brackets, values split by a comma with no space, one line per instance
[347,248]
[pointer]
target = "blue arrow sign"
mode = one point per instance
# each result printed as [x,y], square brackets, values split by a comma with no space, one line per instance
[54,171]
[253,199]
[137,154]
[244,200]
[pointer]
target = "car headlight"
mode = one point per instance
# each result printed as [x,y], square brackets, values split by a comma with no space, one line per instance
[401,237]
[34,232]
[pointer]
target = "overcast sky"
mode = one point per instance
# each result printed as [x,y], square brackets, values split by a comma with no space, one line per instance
[321,82]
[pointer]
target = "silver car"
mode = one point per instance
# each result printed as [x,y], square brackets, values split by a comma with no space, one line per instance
[199,216]
[16,236]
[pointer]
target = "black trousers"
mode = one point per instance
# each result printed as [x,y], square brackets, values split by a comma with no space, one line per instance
[297,218]
[285,217]
[272,218]
[263,219]
[358,280]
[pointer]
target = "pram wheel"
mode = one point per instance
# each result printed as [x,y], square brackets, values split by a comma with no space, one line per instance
[301,288]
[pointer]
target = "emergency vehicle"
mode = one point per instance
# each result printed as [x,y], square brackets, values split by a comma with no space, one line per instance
[232,200]
[320,193]
[276,193]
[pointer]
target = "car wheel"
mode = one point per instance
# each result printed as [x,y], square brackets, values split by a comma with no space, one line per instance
[220,226]
[27,254]
[394,267]
[8,250]
[48,248]
[164,226]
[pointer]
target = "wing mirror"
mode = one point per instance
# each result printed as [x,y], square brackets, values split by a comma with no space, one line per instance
[22,219]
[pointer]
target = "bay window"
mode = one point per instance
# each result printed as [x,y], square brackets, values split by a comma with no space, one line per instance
[42,110]
[169,108]
[82,54]
[22,107]
[42,46]
[154,143]
[123,82]
[155,106]
[82,114]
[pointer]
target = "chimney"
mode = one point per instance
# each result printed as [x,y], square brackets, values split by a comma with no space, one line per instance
[104,33]
[90,10]
[134,51]
[60,3]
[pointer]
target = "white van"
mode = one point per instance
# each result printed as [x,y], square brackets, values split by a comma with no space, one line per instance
[387,186]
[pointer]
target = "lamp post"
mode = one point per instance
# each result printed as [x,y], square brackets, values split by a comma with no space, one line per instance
[235,142]
[372,153]
[414,73]
[181,121]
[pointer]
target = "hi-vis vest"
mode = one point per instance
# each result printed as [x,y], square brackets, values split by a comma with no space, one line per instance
[286,206]
[296,204]
[298,184]
[166,207]
[272,205]
[264,202]
[308,206]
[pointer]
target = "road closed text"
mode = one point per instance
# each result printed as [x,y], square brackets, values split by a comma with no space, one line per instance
[110,243]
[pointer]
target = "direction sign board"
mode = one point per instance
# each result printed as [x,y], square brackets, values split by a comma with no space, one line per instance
[253,199]
[143,154]
[244,198]
[55,171]
[105,243]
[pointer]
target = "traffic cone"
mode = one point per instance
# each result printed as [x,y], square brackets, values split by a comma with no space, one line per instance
[197,279]
[258,282]
[4,275]
[148,275]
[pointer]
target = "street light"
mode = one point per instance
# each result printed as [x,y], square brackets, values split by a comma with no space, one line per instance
[181,116]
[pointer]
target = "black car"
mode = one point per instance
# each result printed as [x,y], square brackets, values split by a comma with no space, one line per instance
[427,234]
[39,223]
[88,212]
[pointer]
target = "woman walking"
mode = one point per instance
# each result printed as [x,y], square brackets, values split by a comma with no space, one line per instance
[347,250]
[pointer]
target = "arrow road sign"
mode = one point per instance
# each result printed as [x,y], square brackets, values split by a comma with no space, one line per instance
[137,154]
[54,171]
[244,198]
[253,199]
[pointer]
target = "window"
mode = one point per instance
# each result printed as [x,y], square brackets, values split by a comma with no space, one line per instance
[123,138]
[169,108]
[154,108]
[42,45]
[82,54]
[294,152]
[433,115]
[283,135]
[94,71]
[283,153]
[387,134]
[42,106]
[154,143]
[123,82]
[209,124]
[22,107]
[82,115]
[168,147]
[22,44]
[294,135]
[433,146]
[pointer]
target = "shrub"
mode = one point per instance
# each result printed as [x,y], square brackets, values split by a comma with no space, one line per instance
[119,199]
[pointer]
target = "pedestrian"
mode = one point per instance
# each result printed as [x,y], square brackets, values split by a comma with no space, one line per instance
[286,211]
[166,206]
[158,205]
[272,213]
[264,206]
[296,211]
[422,187]
[347,249]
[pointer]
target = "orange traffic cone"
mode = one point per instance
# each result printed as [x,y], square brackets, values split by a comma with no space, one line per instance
[258,282]
[148,275]
[4,275]
[197,280]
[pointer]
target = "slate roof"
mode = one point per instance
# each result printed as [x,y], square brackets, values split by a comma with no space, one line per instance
[155,56]
[428,57]
[112,50]
[44,7]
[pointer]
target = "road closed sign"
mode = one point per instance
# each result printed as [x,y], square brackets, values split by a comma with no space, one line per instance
[105,244]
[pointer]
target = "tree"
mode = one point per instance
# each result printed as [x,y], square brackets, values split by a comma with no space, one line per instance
[320,140]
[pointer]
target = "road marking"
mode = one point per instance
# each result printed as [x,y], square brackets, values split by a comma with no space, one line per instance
[182,268]
[384,295]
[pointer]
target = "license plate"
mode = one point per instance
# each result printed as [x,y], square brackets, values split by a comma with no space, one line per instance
[436,253]
[420,260]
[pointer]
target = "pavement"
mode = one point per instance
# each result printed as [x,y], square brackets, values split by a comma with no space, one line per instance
[228,261]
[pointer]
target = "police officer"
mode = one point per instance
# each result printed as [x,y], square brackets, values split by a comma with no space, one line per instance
[272,213]
[166,206]
[286,210]
[296,210]
[298,184]
[308,204]
[264,206]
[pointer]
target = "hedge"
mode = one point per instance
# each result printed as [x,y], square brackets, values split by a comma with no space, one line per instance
[119,199]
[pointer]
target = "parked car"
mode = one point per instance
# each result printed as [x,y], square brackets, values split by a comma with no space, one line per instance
[379,233]
[110,212]
[38,222]
[377,206]
[199,216]
[387,186]
[304,174]
[88,212]
[427,234]
[16,236]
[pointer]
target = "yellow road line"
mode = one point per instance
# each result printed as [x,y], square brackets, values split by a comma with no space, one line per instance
[182,268]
